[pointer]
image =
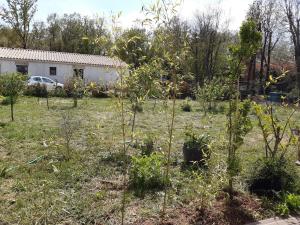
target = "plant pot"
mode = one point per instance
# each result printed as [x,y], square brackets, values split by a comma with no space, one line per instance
[191,155]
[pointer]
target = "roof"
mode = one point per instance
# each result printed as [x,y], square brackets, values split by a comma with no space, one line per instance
[58,57]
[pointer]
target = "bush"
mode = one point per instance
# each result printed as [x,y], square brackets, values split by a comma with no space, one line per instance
[74,87]
[146,173]
[7,100]
[147,146]
[137,107]
[186,106]
[58,92]
[290,203]
[273,175]
[282,209]
[293,202]
[98,90]
[196,148]
[36,90]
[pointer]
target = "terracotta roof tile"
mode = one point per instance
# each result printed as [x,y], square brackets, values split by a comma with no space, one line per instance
[58,57]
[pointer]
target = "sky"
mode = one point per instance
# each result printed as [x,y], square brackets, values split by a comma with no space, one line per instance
[234,10]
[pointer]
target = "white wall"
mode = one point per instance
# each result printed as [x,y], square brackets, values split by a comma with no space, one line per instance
[100,74]
[7,67]
[63,71]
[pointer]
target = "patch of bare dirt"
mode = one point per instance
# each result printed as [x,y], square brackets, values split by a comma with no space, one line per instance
[242,210]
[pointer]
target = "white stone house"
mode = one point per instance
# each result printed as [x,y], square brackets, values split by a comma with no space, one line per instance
[59,66]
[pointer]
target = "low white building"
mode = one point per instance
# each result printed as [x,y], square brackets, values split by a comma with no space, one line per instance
[59,66]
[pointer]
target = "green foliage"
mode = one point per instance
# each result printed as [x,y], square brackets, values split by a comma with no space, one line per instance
[74,87]
[8,100]
[271,175]
[133,47]
[146,173]
[98,90]
[238,122]
[293,202]
[290,203]
[186,105]
[282,210]
[58,92]
[36,90]
[196,148]
[276,133]
[11,86]
[209,93]
[147,145]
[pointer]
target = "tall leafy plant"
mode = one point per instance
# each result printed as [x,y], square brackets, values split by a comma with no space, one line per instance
[160,15]
[238,123]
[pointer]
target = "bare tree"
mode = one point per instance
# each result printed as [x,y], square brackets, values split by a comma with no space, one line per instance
[267,17]
[208,37]
[292,12]
[19,14]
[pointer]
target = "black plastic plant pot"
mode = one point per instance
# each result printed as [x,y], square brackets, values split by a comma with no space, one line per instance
[192,155]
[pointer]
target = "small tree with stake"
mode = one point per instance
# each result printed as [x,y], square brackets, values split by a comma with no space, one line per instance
[11,86]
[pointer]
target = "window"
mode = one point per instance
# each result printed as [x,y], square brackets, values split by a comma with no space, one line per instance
[37,79]
[52,71]
[23,69]
[46,80]
[79,73]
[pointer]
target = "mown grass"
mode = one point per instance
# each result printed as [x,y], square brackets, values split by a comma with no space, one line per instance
[38,186]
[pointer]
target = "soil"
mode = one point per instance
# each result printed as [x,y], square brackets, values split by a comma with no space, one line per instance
[243,209]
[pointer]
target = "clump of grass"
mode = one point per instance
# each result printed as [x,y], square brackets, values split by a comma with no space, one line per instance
[186,105]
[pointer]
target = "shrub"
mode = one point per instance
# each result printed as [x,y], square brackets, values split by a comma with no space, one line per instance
[273,175]
[137,107]
[98,90]
[146,173]
[282,209]
[196,148]
[147,146]
[58,92]
[36,90]
[7,100]
[293,202]
[186,105]
[74,87]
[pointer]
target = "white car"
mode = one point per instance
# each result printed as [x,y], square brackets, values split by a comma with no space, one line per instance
[50,84]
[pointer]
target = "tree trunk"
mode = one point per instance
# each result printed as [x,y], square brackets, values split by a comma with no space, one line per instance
[12,108]
[297,59]
[261,72]
[75,102]
[269,55]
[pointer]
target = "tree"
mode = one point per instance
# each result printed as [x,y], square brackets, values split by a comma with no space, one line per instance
[292,12]
[8,37]
[267,17]
[238,124]
[19,14]
[133,47]
[11,86]
[54,33]
[38,36]
[209,41]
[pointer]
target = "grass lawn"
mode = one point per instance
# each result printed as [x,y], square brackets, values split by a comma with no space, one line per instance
[37,186]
